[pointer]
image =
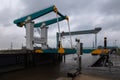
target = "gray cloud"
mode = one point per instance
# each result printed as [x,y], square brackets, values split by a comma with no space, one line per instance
[111,22]
[83,14]
[111,7]
[5,17]
[9,11]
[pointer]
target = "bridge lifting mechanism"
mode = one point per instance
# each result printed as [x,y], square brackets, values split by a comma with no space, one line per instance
[29,24]
[27,21]
[93,31]
[79,47]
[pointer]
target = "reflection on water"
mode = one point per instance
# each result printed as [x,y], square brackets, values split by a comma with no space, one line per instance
[70,63]
[87,60]
[50,71]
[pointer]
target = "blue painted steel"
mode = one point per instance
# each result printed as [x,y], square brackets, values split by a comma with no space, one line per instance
[60,14]
[35,15]
[67,51]
[87,50]
[50,51]
[19,22]
[70,51]
[49,22]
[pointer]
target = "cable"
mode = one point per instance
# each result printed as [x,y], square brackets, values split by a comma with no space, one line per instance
[58,27]
[69,33]
[38,30]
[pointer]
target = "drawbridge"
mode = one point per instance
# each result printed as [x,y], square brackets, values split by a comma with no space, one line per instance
[29,24]
[31,56]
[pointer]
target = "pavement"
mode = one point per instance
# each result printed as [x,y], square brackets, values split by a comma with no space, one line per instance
[83,77]
[99,73]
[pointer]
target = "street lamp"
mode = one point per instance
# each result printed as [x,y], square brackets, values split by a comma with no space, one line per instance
[115,43]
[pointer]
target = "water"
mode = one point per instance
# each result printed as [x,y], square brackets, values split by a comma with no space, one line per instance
[87,60]
[52,71]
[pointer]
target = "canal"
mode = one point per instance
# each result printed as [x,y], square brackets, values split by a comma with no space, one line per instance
[52,71]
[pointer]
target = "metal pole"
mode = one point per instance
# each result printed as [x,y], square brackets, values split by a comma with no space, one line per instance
[79,64]
[95,40]
[58,27]
[64,57]
[79,53]
[57,36]
[70,33]
[105,42]
[115,43]
[11,45]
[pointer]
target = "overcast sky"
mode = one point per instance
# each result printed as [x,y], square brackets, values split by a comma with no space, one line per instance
[83,14]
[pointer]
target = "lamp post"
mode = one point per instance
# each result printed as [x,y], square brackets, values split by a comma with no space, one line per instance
[115,43]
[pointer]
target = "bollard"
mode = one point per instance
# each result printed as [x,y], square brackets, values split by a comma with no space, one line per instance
[105,42]
[81,48]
